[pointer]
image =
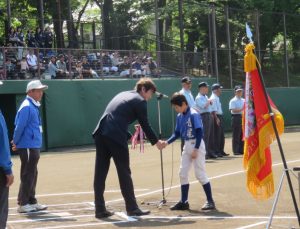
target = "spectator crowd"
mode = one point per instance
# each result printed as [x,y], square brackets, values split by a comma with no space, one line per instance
[32,56]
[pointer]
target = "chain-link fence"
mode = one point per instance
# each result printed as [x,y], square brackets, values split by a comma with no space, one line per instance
[214,48]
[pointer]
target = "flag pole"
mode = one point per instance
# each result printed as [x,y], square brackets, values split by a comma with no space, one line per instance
[278,141]
[249,36]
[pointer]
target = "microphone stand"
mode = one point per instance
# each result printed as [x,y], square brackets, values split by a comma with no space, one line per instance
[163,201]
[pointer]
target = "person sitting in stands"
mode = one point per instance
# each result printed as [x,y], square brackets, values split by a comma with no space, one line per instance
[137,68]
[107,64]
[23,68]
[79,70]
[32,62]
[125,67]
[115,61]
[87,71]
[151,67]
[10,69]
[62,67]
[52,68]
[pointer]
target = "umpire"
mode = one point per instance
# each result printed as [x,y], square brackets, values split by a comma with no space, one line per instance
[203,105]
[111,136]
[236,106]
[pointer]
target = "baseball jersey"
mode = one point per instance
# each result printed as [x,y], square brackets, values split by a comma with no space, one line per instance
[236,103]
[188,126]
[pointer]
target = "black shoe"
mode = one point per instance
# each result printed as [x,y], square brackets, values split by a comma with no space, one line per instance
[180,206]
[224,154]
[211,156]
[219,154]
[103,214]
[138,212]
[209,205]
[237,154]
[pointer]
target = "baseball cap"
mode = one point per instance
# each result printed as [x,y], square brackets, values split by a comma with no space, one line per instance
[203,84]
[35,84]
[186,80]
[1,82]
[216,86]
[238,88]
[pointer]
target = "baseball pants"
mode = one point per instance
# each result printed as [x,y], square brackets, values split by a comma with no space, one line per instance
[198,162]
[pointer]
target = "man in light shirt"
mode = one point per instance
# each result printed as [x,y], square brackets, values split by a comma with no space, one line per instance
[236,106]
[203,106]
[32,62]
[218,140]
[186,84]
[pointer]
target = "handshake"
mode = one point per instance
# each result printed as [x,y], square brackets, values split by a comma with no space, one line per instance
[161,144]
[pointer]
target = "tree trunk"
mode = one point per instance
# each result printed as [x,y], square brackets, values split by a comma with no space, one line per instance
[107,26]
[161,4]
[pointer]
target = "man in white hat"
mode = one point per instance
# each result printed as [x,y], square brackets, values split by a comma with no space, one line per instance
[27,141]
[6,175]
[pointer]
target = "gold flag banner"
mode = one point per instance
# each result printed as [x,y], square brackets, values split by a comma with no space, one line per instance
[258,131]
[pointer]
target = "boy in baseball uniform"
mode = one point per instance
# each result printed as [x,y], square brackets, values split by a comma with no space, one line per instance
[189,128]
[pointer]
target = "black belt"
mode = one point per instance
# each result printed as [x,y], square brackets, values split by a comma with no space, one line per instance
[236,115]
[205,113]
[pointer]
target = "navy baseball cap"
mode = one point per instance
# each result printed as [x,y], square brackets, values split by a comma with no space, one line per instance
[216,86]
[186,80]
[238,88]
[203,84]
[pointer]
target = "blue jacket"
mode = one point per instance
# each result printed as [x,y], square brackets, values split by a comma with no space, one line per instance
[5,160]
[28,125]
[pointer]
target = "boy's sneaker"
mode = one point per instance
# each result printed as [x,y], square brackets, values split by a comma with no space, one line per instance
[180,206]
[26,208]
[39,207]
[209,205]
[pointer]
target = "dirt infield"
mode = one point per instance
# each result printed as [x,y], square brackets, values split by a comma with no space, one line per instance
[66,178]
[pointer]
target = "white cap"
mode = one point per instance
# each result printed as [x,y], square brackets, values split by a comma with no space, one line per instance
[1,82]
[35,84]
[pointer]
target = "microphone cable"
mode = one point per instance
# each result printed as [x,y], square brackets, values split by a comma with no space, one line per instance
[172,168]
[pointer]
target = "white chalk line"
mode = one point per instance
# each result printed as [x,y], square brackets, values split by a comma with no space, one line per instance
[252,225]
[159,190]
[53,211]
[82,225]
[79,193]
[150,217]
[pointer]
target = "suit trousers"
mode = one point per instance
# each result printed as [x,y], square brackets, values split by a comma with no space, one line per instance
[237,134]
[206,120]
[3,200]
[29,174]
[105,150]
[219,136]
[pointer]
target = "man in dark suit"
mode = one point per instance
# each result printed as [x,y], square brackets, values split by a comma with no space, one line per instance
[111,136]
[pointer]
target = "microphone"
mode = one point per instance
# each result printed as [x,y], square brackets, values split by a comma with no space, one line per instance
[161,95]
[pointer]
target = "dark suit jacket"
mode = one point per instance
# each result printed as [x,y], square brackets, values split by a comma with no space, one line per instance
[125,108]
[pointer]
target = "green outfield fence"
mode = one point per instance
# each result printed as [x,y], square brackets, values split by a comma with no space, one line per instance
[71,108]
